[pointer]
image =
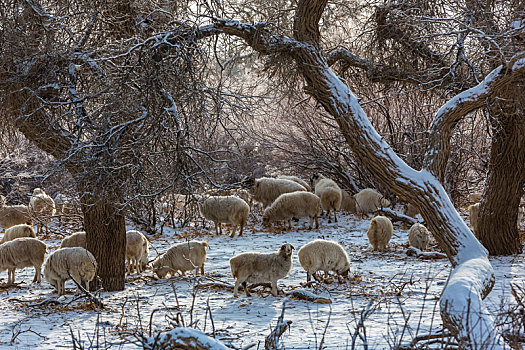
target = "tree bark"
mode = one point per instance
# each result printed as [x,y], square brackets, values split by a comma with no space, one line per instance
[105,229]
[504,187]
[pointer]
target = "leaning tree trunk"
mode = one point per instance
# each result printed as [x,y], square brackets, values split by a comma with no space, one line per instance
[504,187]
[106,240]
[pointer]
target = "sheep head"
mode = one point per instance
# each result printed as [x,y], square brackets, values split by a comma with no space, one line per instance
[286,249]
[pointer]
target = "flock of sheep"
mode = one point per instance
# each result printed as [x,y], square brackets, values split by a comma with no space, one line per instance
[283,199]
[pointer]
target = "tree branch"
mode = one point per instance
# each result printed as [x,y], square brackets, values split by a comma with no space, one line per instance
[450,114]
[375,72]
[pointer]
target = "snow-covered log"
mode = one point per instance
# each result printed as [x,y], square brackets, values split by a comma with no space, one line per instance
[183,338]
[472,276]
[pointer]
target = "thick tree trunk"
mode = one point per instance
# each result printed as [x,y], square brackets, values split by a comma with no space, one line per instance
[106,239]
[504,187]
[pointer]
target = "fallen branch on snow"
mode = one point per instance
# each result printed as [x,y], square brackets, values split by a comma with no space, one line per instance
[91,297]
[396,216]
[308,296]
[411,251]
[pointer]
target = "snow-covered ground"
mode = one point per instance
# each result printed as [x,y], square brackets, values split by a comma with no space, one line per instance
[401,292]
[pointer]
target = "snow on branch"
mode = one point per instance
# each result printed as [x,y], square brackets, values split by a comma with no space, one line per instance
[462,104]
[183,338]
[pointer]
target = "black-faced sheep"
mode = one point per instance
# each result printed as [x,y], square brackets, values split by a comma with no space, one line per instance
[296,204]
[254,267]
[20,253]
[323,255]
[79,262]
[137,251]
[418,236]
[11,215]
[380,232]
[185,256]
[369,200]
[42,207]
[330,194]
[227,209]
[18,231]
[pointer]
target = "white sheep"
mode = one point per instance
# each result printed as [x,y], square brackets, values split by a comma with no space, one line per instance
[137,251]
[42,207]
[348,202]
[228,209]
[18,231]
[330,194]
[20,253]
[182,257]
[11,215]
[296,179]
[254,267]
[79,262]
[323,255]
[410,210]
[295,204]
[369,200]
[266,189]
[418,236]
[244,195]
[76,239]
[474,217]
[475,197]
[380,232]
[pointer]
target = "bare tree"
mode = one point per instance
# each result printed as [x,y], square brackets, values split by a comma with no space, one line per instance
[126,112]
[472,277]
[445,47]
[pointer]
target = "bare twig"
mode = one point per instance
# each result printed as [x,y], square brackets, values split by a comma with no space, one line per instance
[91,297]
[271,342]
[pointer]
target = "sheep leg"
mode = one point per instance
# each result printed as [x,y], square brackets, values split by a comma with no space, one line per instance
[61,287]
[137,264]
[290,224]
[11,276]
[316,276]
[236,288]
[311,221]
[242,227]
[233,231]
[308,276]
[274,288]
[335,216]
[87,286]
[202,269]
[37,277]
[245,286]
[316,222]
[77,278]
[329,216]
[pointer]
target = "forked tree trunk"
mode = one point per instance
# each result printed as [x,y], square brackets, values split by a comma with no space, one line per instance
[504,187]
[106,239]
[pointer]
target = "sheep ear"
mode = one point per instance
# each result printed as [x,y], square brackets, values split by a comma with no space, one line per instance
[292,246]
